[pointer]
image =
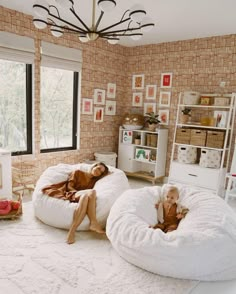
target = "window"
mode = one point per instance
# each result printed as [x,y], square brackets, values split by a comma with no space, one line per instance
[16,107]
[58,109]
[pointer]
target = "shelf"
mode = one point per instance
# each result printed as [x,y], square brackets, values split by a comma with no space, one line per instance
[143,161]
[201,127]
[204,106]
[205,147]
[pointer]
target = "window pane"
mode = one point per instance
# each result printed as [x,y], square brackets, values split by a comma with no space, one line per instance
[13,106]
[56,108]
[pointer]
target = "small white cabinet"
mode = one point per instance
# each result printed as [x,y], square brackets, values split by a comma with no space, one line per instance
[207,134]
[142,153]
[5,174]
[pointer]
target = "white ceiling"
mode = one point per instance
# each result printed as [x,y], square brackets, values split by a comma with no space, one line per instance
[174,19]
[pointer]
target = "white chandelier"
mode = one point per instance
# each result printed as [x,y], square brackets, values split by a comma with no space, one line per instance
[135,20]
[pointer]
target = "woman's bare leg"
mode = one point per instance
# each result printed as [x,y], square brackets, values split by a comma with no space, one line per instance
[91,212]
[78,217]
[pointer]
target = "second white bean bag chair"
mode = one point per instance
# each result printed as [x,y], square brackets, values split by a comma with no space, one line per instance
[203,247]
[59,213]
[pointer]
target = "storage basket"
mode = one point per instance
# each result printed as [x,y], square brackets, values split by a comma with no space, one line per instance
[24,174]
[182,136]
[198,137]
[14,213]
[221,101]
[187,154]
[210,158]
[191,98]
[109,158]
[215,139]
[151,140]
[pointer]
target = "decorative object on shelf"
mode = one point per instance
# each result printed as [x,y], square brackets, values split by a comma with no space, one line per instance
[204,100]
[142,154]
[127,137]
[87,106]
[152,120]
[137,139]
[98,114]
[221,118]
[110,107]
[137,100]
[138,82]
[164,99]
[191,98]
[55,16]
[111,90]
[166,80]
[133,121]
[151,91]
[185,115]
[99,96]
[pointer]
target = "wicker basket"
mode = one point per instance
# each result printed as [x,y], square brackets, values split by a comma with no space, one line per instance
[215,139]
[14,213]
[182,136]
[198,137]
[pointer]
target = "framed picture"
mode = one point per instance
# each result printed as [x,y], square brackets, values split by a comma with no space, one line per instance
[151,91]
[110,107]
[164,99]
[111,90]
[99,96]
[137,99]
[166,80]
[87,106]
[98,114]
[149,107]
[221,118]
[164,116]
[138,82]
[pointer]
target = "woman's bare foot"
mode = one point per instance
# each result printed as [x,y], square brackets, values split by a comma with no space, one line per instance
[95,227]
[70,238]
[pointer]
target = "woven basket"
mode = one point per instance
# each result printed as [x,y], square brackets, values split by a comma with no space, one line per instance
[182,136]
[198,137]
[24,173]
[14,213]
[215,139]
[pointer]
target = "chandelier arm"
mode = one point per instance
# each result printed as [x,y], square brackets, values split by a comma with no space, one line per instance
[56,9]
[99,20]
[68,23]
[108,37]
[119,31]
[80,20]
[124,14]
[114,25]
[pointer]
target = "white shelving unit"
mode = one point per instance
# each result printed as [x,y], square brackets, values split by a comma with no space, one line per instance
[146,160]
[212,179]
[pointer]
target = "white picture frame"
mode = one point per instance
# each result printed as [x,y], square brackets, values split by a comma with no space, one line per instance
[98,114]
[151,91]
[111,90]
[138,82]
[110,108]
[164,99]
[163,116]
[137,99]
[99,96]
[221,118]
[166,80]
[149,107]
[87,106]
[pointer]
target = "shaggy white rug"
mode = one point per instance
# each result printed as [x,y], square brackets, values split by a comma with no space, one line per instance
[35,259]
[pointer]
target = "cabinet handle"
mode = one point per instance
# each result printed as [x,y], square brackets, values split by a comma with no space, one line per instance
[192,175]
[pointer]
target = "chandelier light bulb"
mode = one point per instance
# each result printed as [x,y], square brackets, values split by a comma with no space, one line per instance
[146,24]
[83,39]
[137,13]
[65,3]
[113,41]
[92,36]
[40,23]
[106,5]
[41,8]
[56,31]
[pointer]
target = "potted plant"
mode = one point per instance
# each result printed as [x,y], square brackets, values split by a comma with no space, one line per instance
[137,139]
[186,113]
[152,120]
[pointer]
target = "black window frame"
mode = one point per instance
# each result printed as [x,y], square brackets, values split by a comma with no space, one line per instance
[74,119]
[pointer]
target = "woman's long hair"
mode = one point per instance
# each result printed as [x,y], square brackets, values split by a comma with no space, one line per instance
[106,171]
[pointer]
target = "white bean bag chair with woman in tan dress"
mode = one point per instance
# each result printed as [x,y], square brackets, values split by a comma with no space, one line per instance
[203,247]
[59,213]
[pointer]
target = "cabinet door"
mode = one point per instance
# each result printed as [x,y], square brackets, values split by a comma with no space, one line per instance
[125,158]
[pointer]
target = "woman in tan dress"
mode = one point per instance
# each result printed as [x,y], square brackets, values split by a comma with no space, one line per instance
[67,190]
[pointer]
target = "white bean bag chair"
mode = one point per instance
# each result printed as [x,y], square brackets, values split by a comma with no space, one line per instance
[203,247]
[59,213]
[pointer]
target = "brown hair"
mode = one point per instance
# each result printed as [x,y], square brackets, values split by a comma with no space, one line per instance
[105,171]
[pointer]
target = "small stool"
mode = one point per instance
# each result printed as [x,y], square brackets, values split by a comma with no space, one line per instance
[229,190]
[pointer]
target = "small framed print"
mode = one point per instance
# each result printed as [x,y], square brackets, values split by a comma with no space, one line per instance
[221,118]
[164,116]
[138,82]
[110,107]
[111,90]
[87,106]
[99,96]
[137,100]
[98,114]
[149,107]
[164,99]
[166,80]
[151,91]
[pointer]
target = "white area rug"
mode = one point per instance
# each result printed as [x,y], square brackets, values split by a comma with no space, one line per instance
[35,259]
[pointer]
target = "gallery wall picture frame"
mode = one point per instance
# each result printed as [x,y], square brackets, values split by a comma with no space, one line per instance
[137,100]
[138,82]
[164,98]
[111,90]
[164,116]
[149,107]
[221,118]
[110,108]
[98,114]
[166,80]
[87,106]
[151,91]
[99,96]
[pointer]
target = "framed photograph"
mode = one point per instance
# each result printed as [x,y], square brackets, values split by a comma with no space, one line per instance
[137,99]
[221,118]
[87,106]
[110,107]
[99,96]
[138,82]
[166,80]
[164,116]
[151,91]
[111,90]
[98,114]
[164,99]
[149,107]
